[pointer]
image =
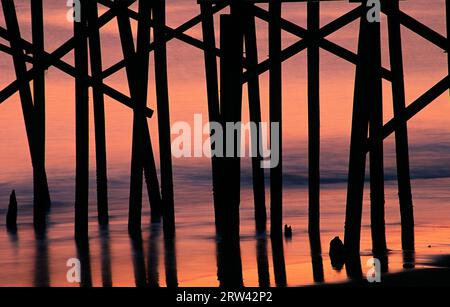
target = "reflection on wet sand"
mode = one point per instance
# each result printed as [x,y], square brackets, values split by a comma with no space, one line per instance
[105,256]
[83,254]
[279,266]
[41,261]
[262,261]
[153,255]
[316,257]
[138,260]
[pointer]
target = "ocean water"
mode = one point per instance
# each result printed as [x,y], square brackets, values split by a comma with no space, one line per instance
[113,258]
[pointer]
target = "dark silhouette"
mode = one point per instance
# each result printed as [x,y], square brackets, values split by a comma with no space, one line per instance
[212,85]
[170,262]
[316,257]
[337,253]
[41,261]
[105,252]
[153,256]
[162,98]
[231,43]
[251,52]
[99,115]
[275,102]
[229,263]
[136,59]
[138,260]
[401,133]
[288,232]
[367,111]
[83,254]
[409,259]
[279,266]
[313,16]
[82,124]
[11,216]
[262,262]
[32,113]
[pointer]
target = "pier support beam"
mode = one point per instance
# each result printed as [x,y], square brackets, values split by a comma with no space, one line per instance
[401,131]
[162,97]
[99,115]
[275,110]
[231,44]
[313,9]
[33,124]
[82,124]
[251,51]
[212,89]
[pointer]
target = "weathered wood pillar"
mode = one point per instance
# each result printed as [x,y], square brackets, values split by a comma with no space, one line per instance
[162,96]
[99,115]
[275,110]
[401,132]
[251,52]
[82,123]
[212,88]
[313,8]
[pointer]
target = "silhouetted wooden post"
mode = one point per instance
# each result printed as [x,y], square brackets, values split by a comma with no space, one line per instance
[105,252]
[313,8]
[231,46]
[275,100]
[151,179]
[170,263]
[84,255]
[153,256]
[162,97]
[262,261]
[41,260]
[357,162]
[139,269]
[40,182]
[11,215]
[41,198]
[136,69]
[374,98]
[82,123]
[251,51]
[401,133]
[212,86]
[447,15]
[99,116]
[279,264]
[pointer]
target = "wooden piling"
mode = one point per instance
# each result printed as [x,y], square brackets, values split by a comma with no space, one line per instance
[11,215]
[137,73]
[40,176]
[40,190]
[401,132]
[262,261]
[447,20]
[313,10]
[251,51]
[374,98]
[212,89]
[357,161]
[275,110]
[231,45]
[99,115]
[162,96]
[82,123]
